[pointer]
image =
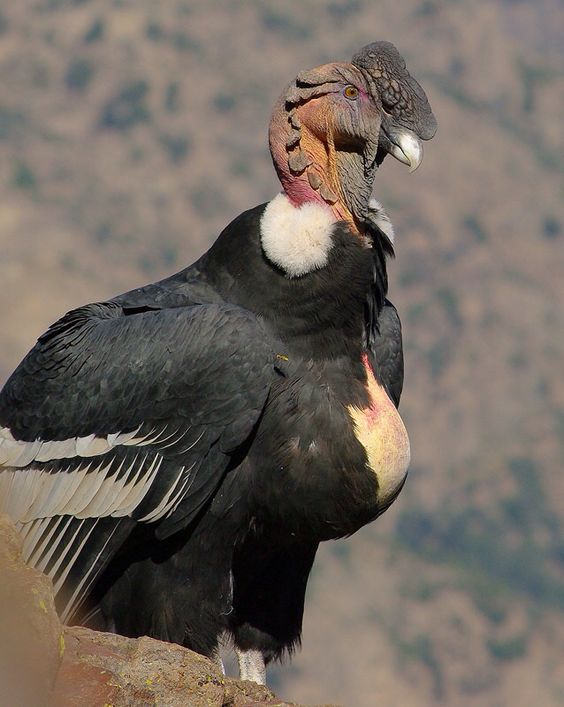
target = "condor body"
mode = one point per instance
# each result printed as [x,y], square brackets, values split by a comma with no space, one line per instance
[174,456]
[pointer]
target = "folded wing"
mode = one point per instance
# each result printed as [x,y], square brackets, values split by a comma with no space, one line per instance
[119,417]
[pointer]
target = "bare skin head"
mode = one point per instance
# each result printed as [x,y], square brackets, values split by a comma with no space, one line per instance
[334,124]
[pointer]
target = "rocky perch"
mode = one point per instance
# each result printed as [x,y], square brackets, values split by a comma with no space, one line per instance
[45,664]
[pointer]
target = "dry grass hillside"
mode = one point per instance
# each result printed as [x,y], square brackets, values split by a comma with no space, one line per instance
[131,131]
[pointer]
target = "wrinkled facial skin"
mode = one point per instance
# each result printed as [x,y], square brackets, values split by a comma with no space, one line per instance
[347,119]
[349,123]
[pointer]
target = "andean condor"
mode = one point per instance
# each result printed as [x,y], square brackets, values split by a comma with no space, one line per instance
[174,456]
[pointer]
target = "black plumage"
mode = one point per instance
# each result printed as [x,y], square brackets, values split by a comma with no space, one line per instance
[181,364]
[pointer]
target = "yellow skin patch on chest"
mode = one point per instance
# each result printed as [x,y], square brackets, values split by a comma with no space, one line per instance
[380,430]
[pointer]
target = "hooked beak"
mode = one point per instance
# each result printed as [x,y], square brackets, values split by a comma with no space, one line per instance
[405,146]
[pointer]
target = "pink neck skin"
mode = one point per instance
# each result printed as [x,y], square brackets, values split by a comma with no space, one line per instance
[299,190]
[297,187]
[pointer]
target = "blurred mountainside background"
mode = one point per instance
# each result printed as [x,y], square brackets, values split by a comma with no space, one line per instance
[133,131]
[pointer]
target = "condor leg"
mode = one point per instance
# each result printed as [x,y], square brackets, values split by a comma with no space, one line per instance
[269,587]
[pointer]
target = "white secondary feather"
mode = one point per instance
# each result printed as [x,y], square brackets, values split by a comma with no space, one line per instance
[65,449]
[297,239]
[102,503]
[63,550]
[17,453]
[87,489]
[92,446]
[156,437]
[182,491]
[160,510]
[166,439]
[77,483]
[57,503]
[32,532]
[54,544]
[35,543]
[25,454]
[118,482]
[139,489]
[117,438]
[52,505]
[131,475]
[85,584]
[192,444]
[20,492]
[90,490]
[54,494]
[58,584]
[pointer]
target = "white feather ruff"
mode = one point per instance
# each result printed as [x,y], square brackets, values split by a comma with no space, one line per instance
[297,239]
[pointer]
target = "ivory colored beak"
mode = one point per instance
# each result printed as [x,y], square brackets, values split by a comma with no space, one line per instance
[407,148]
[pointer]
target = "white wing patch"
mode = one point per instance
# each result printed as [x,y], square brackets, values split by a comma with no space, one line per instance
[16,453]
[98,485]
[93,489]
[57,504]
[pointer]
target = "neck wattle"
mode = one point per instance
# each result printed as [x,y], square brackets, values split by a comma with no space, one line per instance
[299,191]
[306,170]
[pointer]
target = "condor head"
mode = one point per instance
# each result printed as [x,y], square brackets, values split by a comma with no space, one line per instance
[334,124]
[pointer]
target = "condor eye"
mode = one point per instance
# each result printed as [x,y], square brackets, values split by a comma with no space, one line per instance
[351,92]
